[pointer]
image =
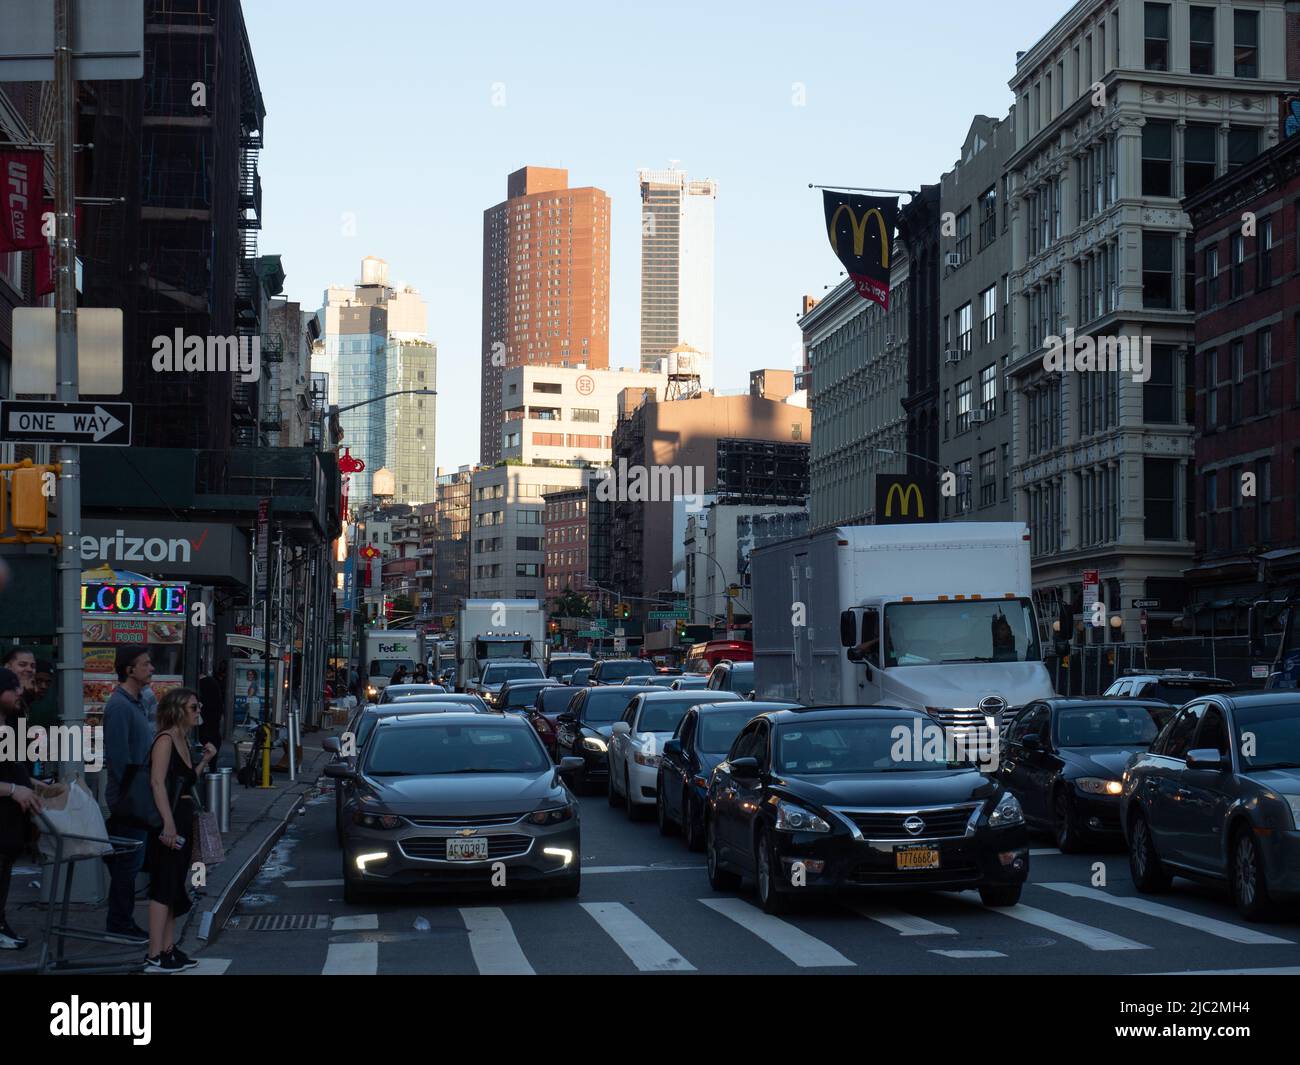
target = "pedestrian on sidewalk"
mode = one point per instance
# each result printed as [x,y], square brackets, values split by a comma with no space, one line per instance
[22,661]
[170,848]
[212,696]
[127,737]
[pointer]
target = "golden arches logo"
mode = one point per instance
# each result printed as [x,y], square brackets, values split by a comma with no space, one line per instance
[905,495]
[860,231]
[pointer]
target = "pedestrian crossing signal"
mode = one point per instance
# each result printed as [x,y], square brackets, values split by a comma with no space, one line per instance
[25,502]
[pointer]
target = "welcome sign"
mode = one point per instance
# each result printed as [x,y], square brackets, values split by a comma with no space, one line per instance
[105,597]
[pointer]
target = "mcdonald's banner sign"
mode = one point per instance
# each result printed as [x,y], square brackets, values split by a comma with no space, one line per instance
[861,231]
[904,500]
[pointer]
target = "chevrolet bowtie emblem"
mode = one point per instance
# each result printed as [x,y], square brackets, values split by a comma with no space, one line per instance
[467,831]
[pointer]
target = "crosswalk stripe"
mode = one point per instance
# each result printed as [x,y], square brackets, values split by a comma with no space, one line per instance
[1208,925]
[905,924]
[357,922]
[595,870]
[804,950]
[492,940]
[970,953]
[1092,938]
[648,951]
[351,959]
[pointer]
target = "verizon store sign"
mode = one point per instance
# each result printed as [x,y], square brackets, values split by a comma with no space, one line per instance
[193,550]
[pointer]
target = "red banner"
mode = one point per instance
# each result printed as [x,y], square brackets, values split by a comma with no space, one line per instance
[21,197]
[47,259]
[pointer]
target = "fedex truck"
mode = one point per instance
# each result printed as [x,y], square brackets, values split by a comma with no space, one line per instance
[935,617]
[386,650]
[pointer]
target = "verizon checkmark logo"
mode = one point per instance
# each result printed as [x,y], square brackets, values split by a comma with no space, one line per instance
[198,544]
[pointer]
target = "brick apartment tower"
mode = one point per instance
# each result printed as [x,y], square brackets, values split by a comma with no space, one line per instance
[545,284]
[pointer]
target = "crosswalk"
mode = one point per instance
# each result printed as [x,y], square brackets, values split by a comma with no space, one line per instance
[729,933]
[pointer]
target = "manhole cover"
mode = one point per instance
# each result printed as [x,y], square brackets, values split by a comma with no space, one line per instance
[281,922]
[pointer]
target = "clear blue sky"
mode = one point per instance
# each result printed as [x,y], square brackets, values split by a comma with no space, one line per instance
[385,110]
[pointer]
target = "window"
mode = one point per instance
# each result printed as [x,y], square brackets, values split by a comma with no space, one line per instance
[963,235]
[1234,526]
[1199,156]
[1211,505]
[528,543]
[1243,146]
[1264,368]
[1157,158]
[989,314]
[1201,53]
[1211,277]
[963,405]
[988,478]
[1157,270]
[1157,37]
[988,210]
[1178,740]
[584,414]
[1245,52]
[1263,501]
[947,413]
[1158,392]
[1006,384]
[1006,471]
[1264,254]
[1160,477]
[989,389]
[549,389]
[1006,199]
[1211,388]
[962,470]
[1236,277]
[528,517]
[528,569]
[1238,371]
[964,327]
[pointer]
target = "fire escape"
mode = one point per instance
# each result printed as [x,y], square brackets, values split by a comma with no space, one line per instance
[249,395]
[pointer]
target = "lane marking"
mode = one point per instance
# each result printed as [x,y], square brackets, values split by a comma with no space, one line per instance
[313,883]
[806,951]
[493,942]
[904,924]
[969,953]
[351,959]
[360,922]
[1208,925]
[648,951]
[1092,938]
[596,870]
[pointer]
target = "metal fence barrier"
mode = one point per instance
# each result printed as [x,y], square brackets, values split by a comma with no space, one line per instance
[1091,669]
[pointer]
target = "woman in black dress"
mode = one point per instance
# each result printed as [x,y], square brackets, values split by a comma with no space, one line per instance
[170,849]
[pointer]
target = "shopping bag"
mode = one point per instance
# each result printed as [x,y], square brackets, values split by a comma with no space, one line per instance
[75,813]
[211,850]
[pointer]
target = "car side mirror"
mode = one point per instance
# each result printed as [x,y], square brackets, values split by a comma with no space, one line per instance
[673,747]
[744,767]
[848,629]
[339,771]
[621,728]
[331,744]
[1031,743]
[854,655]
[1207,758]
[569,765]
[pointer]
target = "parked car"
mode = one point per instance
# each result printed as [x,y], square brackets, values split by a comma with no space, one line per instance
[1171,686]
[616,670]
[518,696]
[689,682]
[1217,798]
[637,741]
[584,728]
[821,787]
[436,796]
[702,740]
[735,677]
[393,692]
[549,703]
[495,674]
[1064,759]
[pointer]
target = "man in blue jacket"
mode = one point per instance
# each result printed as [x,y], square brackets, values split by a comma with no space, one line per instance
[128,738]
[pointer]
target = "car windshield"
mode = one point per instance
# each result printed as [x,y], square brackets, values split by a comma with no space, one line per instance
[520,695]
[554,700]
[718,728]
[685,683]
[1178,693]
[742,676]
[435,749]
[562,667]
[865,745]
[580,676]
[662,715]
[1268,735]
[440,702]
[403,691]
[501,674]
[607,704]
[926,634]
[388,666]
[1106,725]
[612,670]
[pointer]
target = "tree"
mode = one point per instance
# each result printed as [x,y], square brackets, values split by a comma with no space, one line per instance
[571,605]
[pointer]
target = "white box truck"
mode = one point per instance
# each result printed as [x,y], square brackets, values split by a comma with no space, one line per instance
[386,650]
[935,617]
[497,628]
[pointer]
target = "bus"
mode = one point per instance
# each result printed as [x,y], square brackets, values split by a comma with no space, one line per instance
[702,657]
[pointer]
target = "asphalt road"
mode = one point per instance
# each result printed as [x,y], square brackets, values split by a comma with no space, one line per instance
[646,905]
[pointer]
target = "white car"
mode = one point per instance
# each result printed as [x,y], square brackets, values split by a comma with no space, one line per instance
[638,739]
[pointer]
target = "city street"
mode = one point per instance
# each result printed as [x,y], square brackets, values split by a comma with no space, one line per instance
[646,906]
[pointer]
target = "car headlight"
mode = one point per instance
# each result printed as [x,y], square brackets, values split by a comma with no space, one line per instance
[791,818]
[1006,813]
[1294,802]
[1099,786]
[594,743]
[553,816]
[385,821]
[651,760]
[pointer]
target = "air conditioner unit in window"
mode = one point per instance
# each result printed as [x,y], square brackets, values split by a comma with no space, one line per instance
[952,355]
[979,417]
[952,260]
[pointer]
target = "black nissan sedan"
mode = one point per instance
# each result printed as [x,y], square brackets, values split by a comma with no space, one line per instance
[824,799]
[584,729]
[1064,760]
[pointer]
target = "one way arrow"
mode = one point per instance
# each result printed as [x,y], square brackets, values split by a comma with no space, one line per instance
[97,425]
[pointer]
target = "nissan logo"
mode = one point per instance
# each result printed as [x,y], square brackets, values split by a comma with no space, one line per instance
[914,825]
[993,704]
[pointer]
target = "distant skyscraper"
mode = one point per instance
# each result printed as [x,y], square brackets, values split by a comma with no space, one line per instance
[677,268]
[375,342]
[545,284]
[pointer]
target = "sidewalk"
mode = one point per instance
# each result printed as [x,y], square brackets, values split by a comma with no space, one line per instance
[257,820]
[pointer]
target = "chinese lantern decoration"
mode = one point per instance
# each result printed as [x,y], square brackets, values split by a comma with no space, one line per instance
[348,466]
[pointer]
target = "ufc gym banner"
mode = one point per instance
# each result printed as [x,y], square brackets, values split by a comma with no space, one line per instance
[861,231]
[21,196]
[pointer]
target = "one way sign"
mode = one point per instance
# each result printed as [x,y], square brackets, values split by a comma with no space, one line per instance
[38,422]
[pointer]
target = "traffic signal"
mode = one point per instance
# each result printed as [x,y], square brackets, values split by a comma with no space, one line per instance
[622,612]
[25,498]
[681,627]
[552,627]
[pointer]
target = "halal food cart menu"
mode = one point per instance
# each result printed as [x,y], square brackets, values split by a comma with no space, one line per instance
[101,640]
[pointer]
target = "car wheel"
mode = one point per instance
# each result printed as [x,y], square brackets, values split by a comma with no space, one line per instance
[1001,895]
[719,879]
[1249,887]
[666,825]
[767,875]
[633,811]
[612,793]
[1069,837]
[1149,874]
[691,824]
